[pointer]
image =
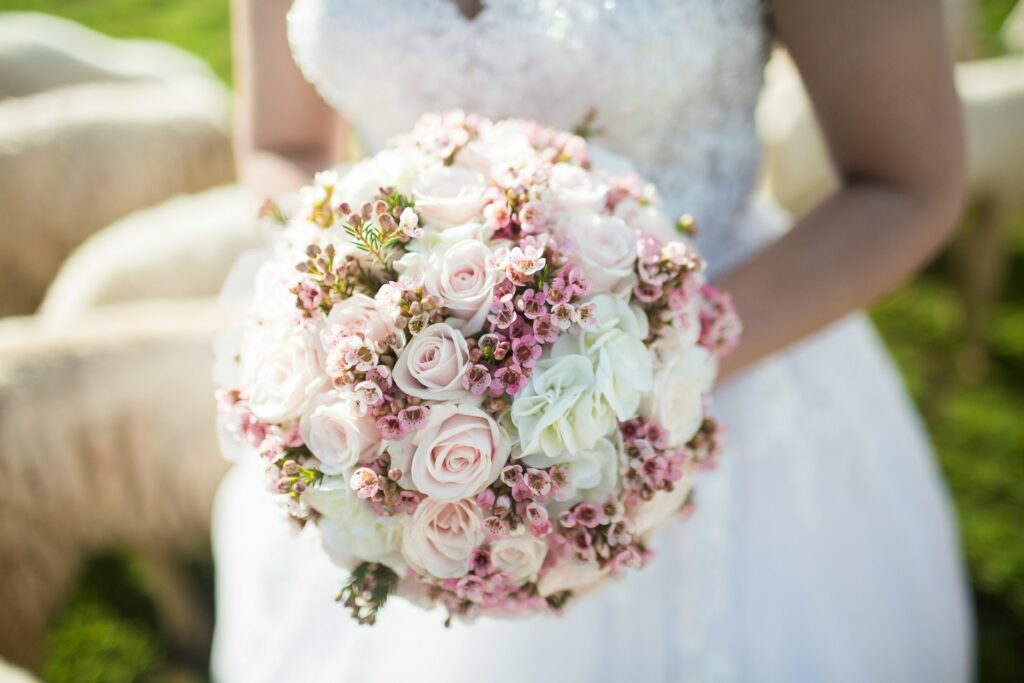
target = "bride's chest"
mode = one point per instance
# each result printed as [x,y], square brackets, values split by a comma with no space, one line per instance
[636,62]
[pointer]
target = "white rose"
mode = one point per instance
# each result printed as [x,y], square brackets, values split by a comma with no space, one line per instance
[604,247]
[352,532]
[519,557]
[576,189]
[573,575]
[283,372]
[459,275]
[623,373]
[648,219]
[683,375]
[449,196]
[559,411]
[419,250]
[338,436]
[457,454]
[607,161]
[271,301]
[440,536]
[593,472]
[395,168]
[432,365]
[498,147]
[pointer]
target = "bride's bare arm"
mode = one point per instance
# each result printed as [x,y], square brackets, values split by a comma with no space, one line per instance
[880,77]
[284,131]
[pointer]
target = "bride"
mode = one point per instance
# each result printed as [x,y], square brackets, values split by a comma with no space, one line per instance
[823,548]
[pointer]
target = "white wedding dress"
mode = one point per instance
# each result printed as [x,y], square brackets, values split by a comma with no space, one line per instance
[822,549]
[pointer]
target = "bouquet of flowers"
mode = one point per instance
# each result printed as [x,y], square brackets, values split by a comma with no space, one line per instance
[477,362]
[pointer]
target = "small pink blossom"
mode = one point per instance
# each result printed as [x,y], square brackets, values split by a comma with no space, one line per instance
[390,428]
[365,483]
[537,516]
[369,393]
[557,292]
[497,215]
[533,216]
[531,303]
[409,224]
[539,482]
[577,281]
[511,475]
[414,417]
[485,499]
[477,379]
[470,587]
[511,379]
[271,448]
[563,315]
[291,436]
[310,295]
[480,562]
[588,515]
[585,315]
[647,292]
[503,314]
[545,329]
[495,528]
[526,351]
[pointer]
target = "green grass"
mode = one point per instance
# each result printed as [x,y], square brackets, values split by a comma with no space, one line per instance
[106,634]
[108,631]
[977,425]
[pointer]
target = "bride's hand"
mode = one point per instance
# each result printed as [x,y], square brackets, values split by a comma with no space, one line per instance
[880,77]
[284,131]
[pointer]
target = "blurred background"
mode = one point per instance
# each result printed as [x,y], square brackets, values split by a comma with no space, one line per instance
[120,220]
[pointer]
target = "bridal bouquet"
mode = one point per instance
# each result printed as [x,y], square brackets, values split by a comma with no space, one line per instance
[477,362]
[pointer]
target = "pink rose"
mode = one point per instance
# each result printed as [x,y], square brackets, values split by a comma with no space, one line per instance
[431,366]
[358,313]
[460,277]
[449,196]
[440,537]
[605,247]
[455,455]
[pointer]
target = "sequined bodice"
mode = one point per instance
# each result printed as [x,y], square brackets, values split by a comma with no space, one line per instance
[673,83]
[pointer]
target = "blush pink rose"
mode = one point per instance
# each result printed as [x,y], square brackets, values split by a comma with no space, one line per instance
[519,557]
[605,247]
[432,365]
[449,196]
[440,536]
[576,189]
[461,277]
[571,574]
[457,454]
[653,513]
[358,313]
